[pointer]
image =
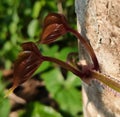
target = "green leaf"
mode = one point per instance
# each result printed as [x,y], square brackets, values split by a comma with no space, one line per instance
[13,27]
[8,64]
[69,3]
[53,80]
[64,92]
[4,102]
[7,46]
[37,8]
[9,52]
[33,27]
[38,110]
[50,51]
[4,108]
[70,100]
[45,65]
[64,52]
[72,80]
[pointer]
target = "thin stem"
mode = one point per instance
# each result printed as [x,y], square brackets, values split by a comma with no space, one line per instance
[112,83]
[87,46]
[65,65]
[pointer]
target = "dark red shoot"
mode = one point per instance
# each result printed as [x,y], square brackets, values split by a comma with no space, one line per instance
[55,25]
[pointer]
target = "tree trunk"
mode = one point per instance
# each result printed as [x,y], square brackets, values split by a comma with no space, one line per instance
[99,21]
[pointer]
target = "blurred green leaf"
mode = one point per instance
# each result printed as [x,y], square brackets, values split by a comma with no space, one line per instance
[13,27]
[49,51]
[69,100]
[69,3]
[72,80]
[33,27]
[37,8]
[38,110]
[9,52]
[53,80]
[8,64]
[4,102]
[43,67]
[64,92]
[4,107]
[65,51]
[16,17]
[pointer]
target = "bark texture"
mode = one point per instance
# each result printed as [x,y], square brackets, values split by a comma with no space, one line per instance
[99,21]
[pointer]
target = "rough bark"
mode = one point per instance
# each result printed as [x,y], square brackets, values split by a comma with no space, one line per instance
[99,21]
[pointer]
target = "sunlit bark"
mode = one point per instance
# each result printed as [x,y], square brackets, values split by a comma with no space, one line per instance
[99,22]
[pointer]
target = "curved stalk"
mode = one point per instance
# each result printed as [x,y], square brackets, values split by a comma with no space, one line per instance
[64,65]
[87,46]
[67,66]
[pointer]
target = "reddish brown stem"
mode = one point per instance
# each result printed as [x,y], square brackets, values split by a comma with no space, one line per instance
[87,46]
[66,66]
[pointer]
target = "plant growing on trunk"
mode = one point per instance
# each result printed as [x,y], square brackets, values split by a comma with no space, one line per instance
[30,58]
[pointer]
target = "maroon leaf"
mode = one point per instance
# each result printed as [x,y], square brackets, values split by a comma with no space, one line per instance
[26,64]
[52,32]
[55,25]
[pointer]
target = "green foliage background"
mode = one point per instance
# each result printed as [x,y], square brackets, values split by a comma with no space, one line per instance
[21,21]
